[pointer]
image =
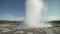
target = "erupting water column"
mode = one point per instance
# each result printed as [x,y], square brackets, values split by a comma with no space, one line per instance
[33,13]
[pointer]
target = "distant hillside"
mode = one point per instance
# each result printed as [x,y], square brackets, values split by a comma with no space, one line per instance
[55,21]
[10,22]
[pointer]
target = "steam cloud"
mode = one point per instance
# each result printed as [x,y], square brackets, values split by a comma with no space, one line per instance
[33,13]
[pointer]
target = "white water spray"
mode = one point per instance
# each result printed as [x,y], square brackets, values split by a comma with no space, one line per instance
[33,13]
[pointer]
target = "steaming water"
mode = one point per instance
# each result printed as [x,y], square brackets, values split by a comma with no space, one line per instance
[33,14]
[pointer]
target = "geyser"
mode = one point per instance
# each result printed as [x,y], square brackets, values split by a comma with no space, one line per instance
[33,14]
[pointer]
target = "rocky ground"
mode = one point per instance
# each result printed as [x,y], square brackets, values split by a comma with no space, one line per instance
[13,29]
[53,30]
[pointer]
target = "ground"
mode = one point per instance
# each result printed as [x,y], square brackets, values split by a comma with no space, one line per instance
[53,30]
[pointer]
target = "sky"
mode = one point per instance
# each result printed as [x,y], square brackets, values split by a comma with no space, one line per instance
[53,7]
[11,9]
[15,9]
[53,10]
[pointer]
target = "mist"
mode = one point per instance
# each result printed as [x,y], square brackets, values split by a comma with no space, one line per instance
[34,13]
